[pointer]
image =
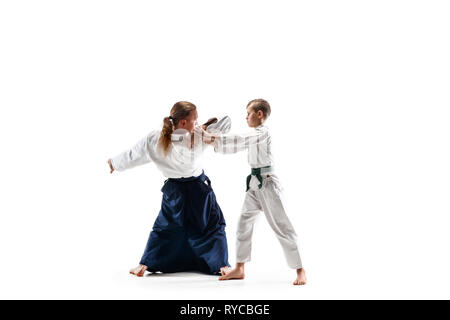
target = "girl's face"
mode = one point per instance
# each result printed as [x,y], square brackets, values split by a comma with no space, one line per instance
[254,119]
[189,123]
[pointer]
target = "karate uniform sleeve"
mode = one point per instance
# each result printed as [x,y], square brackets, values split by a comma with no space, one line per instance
[233,143]
[138,155]
[222,126]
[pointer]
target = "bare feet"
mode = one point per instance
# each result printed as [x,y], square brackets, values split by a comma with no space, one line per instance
[301,277]
[225,270]
[236,273]
[139,270]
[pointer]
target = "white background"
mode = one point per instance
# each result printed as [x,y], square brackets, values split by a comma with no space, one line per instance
[360,99]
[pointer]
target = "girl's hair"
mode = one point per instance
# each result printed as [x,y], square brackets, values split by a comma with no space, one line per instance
[260,104]
[179,111]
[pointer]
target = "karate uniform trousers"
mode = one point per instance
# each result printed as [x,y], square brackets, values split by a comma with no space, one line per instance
[268,199]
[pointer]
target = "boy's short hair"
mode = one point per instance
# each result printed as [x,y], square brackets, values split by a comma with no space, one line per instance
[260,104]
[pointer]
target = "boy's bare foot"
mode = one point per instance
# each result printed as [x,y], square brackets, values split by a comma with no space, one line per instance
[236,273]
[301,277]
[139,270]
[225,270]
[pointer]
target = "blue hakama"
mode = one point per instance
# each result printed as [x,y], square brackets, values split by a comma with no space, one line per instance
[189,232]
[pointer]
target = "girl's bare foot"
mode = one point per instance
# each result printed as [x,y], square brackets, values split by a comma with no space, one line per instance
[139,270]
[225,270]
[301,277]
[236,273]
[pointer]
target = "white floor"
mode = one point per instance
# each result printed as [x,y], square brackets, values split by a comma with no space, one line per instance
[194,286]
[271,282]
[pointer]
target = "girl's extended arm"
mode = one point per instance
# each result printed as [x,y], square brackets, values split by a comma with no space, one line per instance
[138,155]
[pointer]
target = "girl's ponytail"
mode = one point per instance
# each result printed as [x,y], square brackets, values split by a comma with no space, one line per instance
[179,111]
[166,135]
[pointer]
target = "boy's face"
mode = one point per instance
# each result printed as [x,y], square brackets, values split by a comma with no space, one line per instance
[254,119]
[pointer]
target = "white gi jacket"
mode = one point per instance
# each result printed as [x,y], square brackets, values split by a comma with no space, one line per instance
[257,141]
[182,161]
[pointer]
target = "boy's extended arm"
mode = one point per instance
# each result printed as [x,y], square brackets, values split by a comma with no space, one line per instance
[229,143]
[232,143]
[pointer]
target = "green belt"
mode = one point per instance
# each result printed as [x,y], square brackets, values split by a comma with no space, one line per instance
[257,173]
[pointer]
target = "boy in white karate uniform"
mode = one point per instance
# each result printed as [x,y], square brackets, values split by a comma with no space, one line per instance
[263,192]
